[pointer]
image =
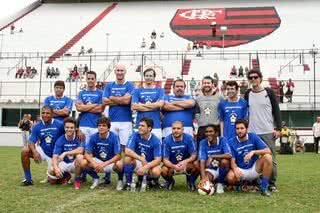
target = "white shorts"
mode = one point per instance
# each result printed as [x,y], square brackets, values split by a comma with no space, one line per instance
[88,131]
[43,156]
[168,130]
[108,168]
[67,167]
[250,174]
[138,166]
[213,172]
[156,132]
[123,129]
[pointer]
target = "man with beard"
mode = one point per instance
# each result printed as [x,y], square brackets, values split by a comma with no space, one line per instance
[179,156]
[178,107]
[207,106]
[251,158]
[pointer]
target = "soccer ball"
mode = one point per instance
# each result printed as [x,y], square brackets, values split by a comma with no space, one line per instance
[206,188]
[53,179]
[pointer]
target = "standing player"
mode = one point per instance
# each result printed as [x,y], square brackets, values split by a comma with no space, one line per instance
[143,155]
[231,109]
[251,158]
[62,105]
[264,114]
[41,142]
[67,148]
[179,156]
[214,156]
[148,100]
[207,106]
[178,107]
[102,153]
[117,95]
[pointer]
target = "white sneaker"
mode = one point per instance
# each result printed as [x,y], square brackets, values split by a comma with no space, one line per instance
[143,187]
[45,180]
[119,185]
[220,189]
[95,184]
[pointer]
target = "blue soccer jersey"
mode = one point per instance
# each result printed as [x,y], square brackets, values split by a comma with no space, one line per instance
[104,148]
[229,112]
[64,145]
[47,135]
[150,148]
[241,148]
[176,151]
[148,95]
[207,150]
[186,115]
[119,113]
[89,119]
[58,104]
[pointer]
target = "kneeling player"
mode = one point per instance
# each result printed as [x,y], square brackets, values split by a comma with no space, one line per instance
[179,156]
[143,155]
[214,156]
[102,153]
[251,157]
[41,142]
[67,148]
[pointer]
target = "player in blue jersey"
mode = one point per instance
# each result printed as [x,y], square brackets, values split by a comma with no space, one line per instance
[179,156]
[102,153]
[143,156]
[62,105]
[214,156]
[231,109]
[148,100]
[89,104]
[251,158]
[178,107]
[41,142]
[68,147]
[117,95]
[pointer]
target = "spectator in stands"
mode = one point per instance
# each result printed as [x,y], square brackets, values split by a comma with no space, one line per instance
[162,35]
[199,54]
[216,78]
[290,88]
[223,89]
[246,70]
[90,50]
[82,51]
[285,145]
[57,72]
[27,72]
[201,45]
[192,85]
[86,69]
[100,85]
[299,145]
[74,76]
[153,45]
[233,72]
[240,73]
[48,72]
[143,43]
[195,45]
[316,134]
[12,27]
[25,126]
[75,68]
[189,47]
[19,72]
[153,34]
[281,90]
[243,87]
[33,72]
[21,30]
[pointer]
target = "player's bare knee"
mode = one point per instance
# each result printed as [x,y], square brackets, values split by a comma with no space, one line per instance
[128,160]
[224,163]
[267,158]
[231,179]
[164,171]
[119,165]
[25,152]
[155,171]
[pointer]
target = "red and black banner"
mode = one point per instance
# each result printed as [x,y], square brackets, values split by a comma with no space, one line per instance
[244,25]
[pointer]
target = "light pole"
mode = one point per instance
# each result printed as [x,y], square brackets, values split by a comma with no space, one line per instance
[223,30]
[314,52]
[107,45]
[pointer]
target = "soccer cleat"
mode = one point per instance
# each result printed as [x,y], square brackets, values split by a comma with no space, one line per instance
[220,188]
[77,185]
[266,193]
[66,179]
[273,188]
[27,183]
[169,184]
[133,186]
[45,180]
[143,187]
[127,187]
[95,184]
[119,185]
[192,187]
[107,181]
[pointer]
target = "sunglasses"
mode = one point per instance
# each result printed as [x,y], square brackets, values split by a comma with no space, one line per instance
[253,77]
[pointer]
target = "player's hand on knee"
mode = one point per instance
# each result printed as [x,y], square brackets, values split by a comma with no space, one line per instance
[58,172]
[248,156]
[238,174]
[37,157]
[99,167]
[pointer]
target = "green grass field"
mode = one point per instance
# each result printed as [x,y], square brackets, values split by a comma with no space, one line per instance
[298,184]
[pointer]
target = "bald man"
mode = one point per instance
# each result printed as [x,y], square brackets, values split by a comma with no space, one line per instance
[117,95]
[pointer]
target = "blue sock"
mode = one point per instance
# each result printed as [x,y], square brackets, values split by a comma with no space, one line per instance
[193,178]
[27,175]
[264,183]
[84,174]
[222,174]
[120,175]
[128,171]
[92,173]
[77,178]
[107,176]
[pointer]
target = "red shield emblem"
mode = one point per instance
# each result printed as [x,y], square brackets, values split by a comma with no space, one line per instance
[243,25]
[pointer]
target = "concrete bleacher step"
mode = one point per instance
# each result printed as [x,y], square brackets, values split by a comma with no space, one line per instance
[168,84]
[186,67]
[82,33]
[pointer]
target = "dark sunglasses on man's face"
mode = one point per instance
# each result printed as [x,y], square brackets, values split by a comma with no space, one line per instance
[253,77]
